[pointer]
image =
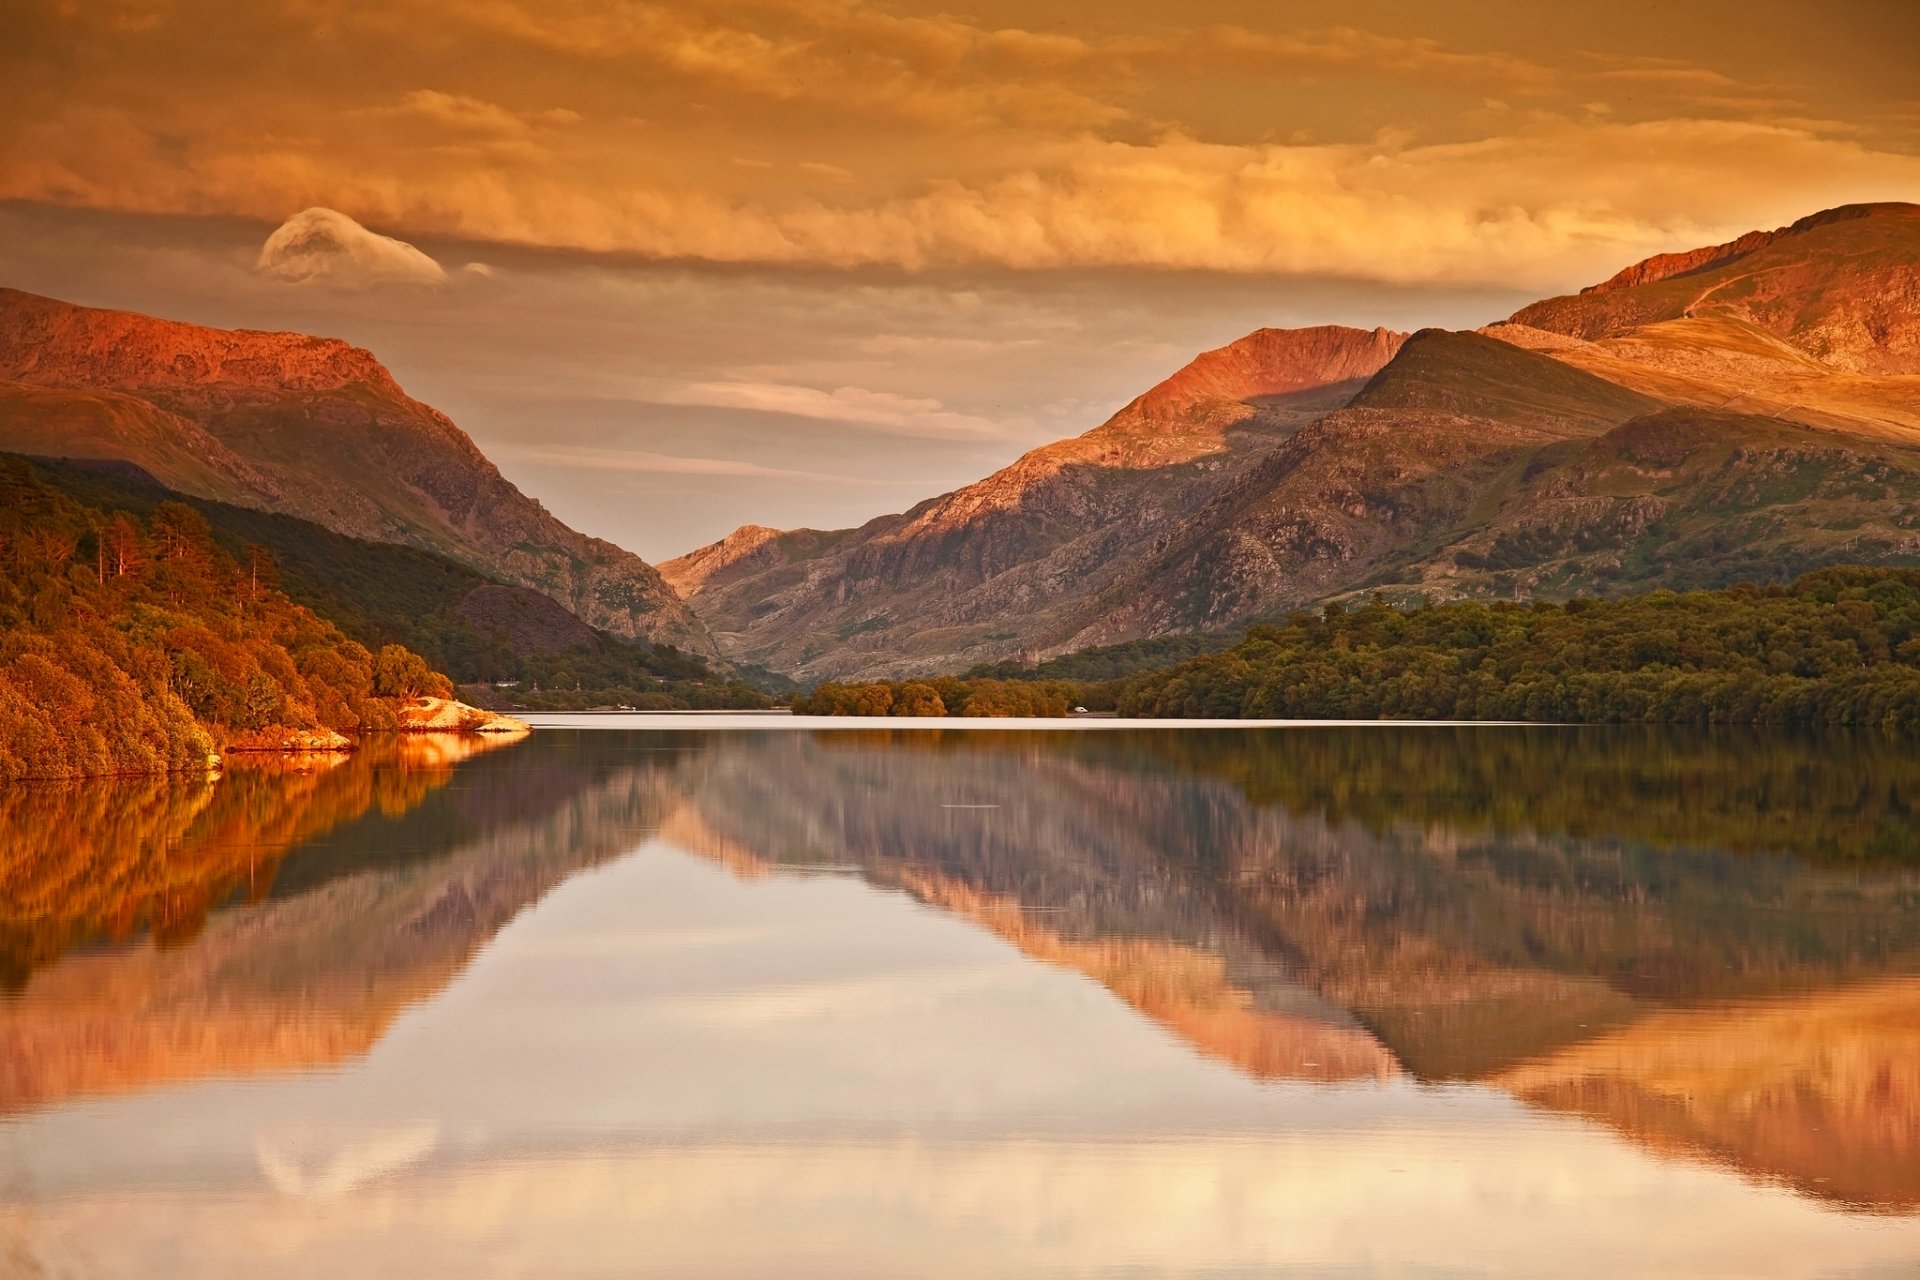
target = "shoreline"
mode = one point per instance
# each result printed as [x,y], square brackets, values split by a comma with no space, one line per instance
[784,720]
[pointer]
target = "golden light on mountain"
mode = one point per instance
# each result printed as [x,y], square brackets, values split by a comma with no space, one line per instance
[947,237]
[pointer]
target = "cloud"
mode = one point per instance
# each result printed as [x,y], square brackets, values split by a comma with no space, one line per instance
[820,170]
[937,70]
[676,130]
[325,245]
[588,458]
[1351,49]
[1544,202]
[906,415]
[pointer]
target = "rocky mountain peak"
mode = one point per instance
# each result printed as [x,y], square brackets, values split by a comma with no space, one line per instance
[1270,363]
[1841,286]
[689,572]
[47,342]
[1665,266]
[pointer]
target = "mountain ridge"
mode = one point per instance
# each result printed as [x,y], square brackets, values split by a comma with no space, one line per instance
[1022,541]
[315,427]
[1513,462]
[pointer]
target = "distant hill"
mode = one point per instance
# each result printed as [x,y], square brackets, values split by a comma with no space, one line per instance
[1747,411]
[1010,562]
[305,426]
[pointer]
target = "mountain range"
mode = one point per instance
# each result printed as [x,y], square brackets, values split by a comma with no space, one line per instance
[1746,411]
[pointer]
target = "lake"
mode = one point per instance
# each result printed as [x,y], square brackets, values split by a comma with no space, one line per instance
[670,997]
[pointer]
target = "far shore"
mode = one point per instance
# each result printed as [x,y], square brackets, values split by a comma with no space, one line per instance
[781,719]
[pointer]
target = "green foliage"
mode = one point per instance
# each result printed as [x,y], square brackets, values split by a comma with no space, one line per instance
[945,696]
[1840,646]
[1109,661]
[141,647]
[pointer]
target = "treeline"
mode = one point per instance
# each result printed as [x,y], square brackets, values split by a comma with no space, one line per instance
[1109,662]
[140,646]
[567,692]
[382,593]
[944,696]
[1837,647]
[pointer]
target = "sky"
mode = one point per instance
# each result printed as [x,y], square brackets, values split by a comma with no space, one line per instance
[686,265]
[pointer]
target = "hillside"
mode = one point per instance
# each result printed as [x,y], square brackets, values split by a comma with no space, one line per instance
[1838,647]
[306,426]
[476,630]
[1001,565]
[1841,286]
[1748,411]
[140,646]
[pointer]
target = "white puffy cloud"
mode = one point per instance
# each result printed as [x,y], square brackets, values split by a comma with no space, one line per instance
[325,245]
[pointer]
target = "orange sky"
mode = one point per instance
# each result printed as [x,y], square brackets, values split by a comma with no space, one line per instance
[919,185]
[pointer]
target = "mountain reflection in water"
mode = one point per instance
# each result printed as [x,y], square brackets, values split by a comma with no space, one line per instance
[1708,944]
[367,882]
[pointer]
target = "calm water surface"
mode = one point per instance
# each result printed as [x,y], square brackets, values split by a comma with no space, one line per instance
[703,1002]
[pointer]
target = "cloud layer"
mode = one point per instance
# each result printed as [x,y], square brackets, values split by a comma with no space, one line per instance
[839,134]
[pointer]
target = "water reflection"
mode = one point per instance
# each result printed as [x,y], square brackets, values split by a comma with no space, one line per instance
[1355,963]
[1601,921]
[357,885]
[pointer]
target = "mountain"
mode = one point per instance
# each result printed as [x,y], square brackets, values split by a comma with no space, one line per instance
[1745,411]
[1004,564]
[464,623]
[1842,286]
[306,426]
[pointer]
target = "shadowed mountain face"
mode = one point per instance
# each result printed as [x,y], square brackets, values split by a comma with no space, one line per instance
[1709,943]
[1748,411]
[306,426]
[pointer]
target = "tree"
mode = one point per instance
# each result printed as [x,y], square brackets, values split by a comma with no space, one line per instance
[917,698]
[124,547]
[398,672]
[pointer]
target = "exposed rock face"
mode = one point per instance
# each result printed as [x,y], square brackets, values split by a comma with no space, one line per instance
[1003,564]
[313,427]
[1842,286]
[1273,362]
[689,573]
[445,715]
[1737,412]
[1665,266]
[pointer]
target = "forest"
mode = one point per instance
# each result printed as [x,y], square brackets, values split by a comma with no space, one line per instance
[382,593]
[131,646]
[1840,646]
[940,696]
[1110,661]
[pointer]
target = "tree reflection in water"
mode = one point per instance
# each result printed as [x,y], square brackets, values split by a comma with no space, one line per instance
[1708,942]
